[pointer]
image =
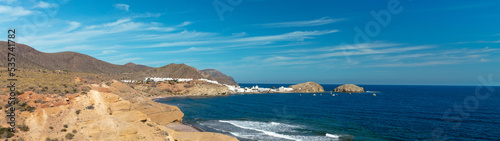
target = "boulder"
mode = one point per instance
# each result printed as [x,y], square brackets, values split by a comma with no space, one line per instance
[349,88]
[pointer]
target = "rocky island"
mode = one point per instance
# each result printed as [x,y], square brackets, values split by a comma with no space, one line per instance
[349,88]
[308,87]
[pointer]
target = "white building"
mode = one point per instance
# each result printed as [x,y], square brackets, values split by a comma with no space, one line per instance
[209,81]
[283,89]
[129,81]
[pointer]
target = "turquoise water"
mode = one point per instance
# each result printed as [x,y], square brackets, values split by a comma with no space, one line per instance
[395,113]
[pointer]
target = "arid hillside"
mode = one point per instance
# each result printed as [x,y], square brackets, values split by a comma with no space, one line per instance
[30,58]
[84,106]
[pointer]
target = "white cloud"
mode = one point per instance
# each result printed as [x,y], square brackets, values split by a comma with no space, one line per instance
[42,4]
[483,60]
[75,34]
[72,26]
[122,6]
[145,15]
[14,11]
[291,36]
[8,1]
[481,41]
[419,64]
[9,13]
[191,49]
[316,22]
[105,52]
[401,57]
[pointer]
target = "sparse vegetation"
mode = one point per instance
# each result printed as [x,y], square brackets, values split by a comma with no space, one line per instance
[5,133]
[74,131]
[48,139]
[65,126]
[91,107]
[77,112]
[23,128]
[64,130]
[69,136]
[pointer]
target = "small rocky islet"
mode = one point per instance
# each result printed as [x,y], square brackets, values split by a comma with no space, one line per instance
[349,88]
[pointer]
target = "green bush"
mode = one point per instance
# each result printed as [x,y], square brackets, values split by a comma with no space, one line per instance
[69,136]
[5,133]
[91,107]
[23,128]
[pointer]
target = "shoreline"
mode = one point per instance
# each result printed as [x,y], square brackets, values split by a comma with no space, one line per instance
[177,96]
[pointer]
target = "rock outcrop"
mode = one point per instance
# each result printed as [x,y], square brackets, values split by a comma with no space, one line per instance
[220,77]
[349,88]
[115,112]
[308,87]
[203,89]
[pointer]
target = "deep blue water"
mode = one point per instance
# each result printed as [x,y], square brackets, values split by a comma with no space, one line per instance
[395,113]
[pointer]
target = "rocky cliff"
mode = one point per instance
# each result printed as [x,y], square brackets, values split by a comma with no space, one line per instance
[220,77]
[308,87]
[206,89]
[114,112]
[349,88]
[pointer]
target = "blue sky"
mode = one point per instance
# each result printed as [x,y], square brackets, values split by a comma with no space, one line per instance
[276,41]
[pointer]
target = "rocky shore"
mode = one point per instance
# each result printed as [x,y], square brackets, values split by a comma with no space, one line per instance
[107,112]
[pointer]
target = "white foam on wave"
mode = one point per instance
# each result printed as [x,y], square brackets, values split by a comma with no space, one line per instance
[332,136]
[258,130]
[247,125]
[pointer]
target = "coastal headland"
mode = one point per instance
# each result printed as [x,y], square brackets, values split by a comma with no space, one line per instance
[72,96]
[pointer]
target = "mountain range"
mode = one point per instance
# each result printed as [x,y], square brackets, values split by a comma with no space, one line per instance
[30,58]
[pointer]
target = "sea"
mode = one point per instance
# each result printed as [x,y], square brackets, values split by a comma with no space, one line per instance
[384,112]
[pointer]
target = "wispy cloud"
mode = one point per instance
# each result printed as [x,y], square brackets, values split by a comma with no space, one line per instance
[328,55]
[42,4]
[19,11]
[191,49]
[481,41]
[72,26]
[291,36]
[401,57]
[419,64]
[122,6]
[316,22]
[8,1]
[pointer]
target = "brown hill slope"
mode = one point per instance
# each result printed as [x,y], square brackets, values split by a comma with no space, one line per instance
[28,57]
[220,77]
[183,71]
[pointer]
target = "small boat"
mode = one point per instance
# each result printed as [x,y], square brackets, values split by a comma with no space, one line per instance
[333,94]
[314,94]
[374,95]
[300,95]
[320,94]
[349,93]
